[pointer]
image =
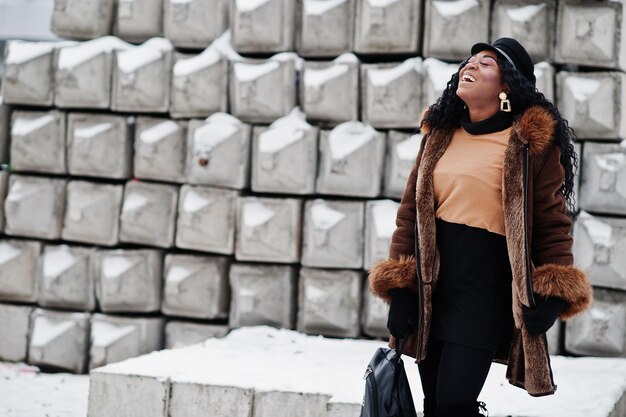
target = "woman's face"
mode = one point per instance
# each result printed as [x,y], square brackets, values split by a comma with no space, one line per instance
[480,81]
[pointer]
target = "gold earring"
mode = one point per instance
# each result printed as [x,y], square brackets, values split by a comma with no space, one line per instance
[505,104]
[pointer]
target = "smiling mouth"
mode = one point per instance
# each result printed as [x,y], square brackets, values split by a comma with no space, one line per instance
[468,78]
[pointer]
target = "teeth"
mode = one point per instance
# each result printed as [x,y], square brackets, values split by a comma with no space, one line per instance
[469,78]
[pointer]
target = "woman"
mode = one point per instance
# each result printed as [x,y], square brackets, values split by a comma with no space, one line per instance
[480,265]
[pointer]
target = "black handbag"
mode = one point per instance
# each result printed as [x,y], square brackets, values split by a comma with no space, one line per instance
[387,391]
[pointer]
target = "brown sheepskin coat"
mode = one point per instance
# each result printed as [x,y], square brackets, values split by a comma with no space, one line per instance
[538,240]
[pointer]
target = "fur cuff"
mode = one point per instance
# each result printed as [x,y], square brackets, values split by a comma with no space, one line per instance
[567,282]
[393,273]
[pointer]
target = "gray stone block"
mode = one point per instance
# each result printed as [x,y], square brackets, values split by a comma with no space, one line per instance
[386,27]
[4,185]
[195,286]
[329,302]
[82,19]
[15,324]
[128,280]
[262,26]
[351,160]
[262,295]
[380,223]
[284,156]
[99,145]
[5,121]
[194,23]
[401,155]
[34,207]
[180,334]
[59,339]
[218,152]
[436,75]
[149,214]
[187,399]
[138,20]
[18,270]
[553,337]
[268,229]
[603,184]
[206,219]
[38,141]
[374,315]
[325,27]
[544,73]
[333,234]
[160,149]
[287,404]
[341,409]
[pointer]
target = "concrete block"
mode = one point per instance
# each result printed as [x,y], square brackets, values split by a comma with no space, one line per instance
[160,149]
[138,20]
[401,155]
[195,286]
[128,280]
[268,229]
[380,223]
[206,219]
[603,187]
[351,160]
[5,121]
[325,27]
[262,295]
[261,91]
[194,23]
[18,270]
[141,77]
[4,185]
[391,94]
[388,26]
[34,207]
[374,315]
[530,22]
[341,409]
[38,141]
[115,338]
[593,103]
[262,26]
[451,27]
[578,148]
[99,145]
[149,214]
[179,334]
[286,404]
[329,302]
[544,73]
[59,340]
[199,84]
[82,76]
[15,324]
[330,90]
[187,399]
[82,19]
[436,75]
[553,337]
[599,249]
[333,234]
[218,152]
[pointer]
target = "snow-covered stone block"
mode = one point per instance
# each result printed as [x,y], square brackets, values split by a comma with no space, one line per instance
[262,25]
[329,302]
[38,141]
[15,325]
[380,223]
[187,398]
[401,155]
[99,145]
[5,121]
[82,19]
[544,73]
[530,22]
[141,77]
[83,73]
[199,84]
[374,315]
[436,75]
[138,20]
[195,286]
[268,229]
[593,103]
[329,91]
[392,94]
[451,27]
[333,234]
[284,156]
[262,295]
[18,270]
[206,219]
[160,149]
[34,207]
[194,23]
[59,339]
[66,278]
[180,334]
[149,214]
[386,27]
[351,160]
[261,91]
[325,27]
[603,187]
[599,249]
[218,151]
[128,280]
[285,404]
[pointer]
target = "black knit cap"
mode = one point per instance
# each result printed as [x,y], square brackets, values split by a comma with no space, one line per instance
[512,51]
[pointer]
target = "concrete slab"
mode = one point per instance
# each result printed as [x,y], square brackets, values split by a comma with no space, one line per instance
[18,270]
[179,334]
[286,404]
[82,19]
[195,23]
[15,323]
[325,28]
[262,26]
[38,141]
[160,149]
[401,155]
[186,399]
[380,223]
[603,186]
[138,20]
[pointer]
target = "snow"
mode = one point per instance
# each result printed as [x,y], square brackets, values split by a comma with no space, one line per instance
[45,330]
[454,8]
[599,231]
[250,5]
[218,128]
[381,3]
[255,214]
[317,77]
[104,333]
[348,137]
[524,14]
[92,131]
[187,66]
[407,149]
[57,261]
[248,72]
[194,202]
[152,50]
[114,266]
[133,202]
[223,45]
[74,55]
[324,217]
[582,88]
[8,253]
[21,52]
[439,72]
[384,214]
[347,58]
[278,138]
[159,132]
[177,274]
[319,7]
[23,126]
[181,1]
[382,76]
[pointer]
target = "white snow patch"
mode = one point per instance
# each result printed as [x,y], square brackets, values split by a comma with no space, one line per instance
[187,66]
[582,88]
[381,3]
[194,202]
[317,77]
[223,45]
[134,202]
[152,50]
[383,76]
[248,71]
[439,72]
[74,55]
[24,126]
[159,132]
[250,5]
[105,334]
[21,52]
[348,137]
[325,217]
[57,260]
[46,330]
[255,214]
[407,149]
[91,132]
[278,138]
[384,214]
[181,1]
[177,274]
[8,253]
[454,8]
[20,190]
[524,14]
[114,266]
[319,7]
[599,231]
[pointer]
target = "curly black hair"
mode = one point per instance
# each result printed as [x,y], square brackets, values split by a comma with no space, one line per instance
[447,112]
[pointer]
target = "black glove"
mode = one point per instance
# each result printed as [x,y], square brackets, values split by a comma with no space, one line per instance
[545,313]
[403,312]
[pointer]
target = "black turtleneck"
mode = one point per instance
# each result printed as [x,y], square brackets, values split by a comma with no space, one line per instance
[499,121]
